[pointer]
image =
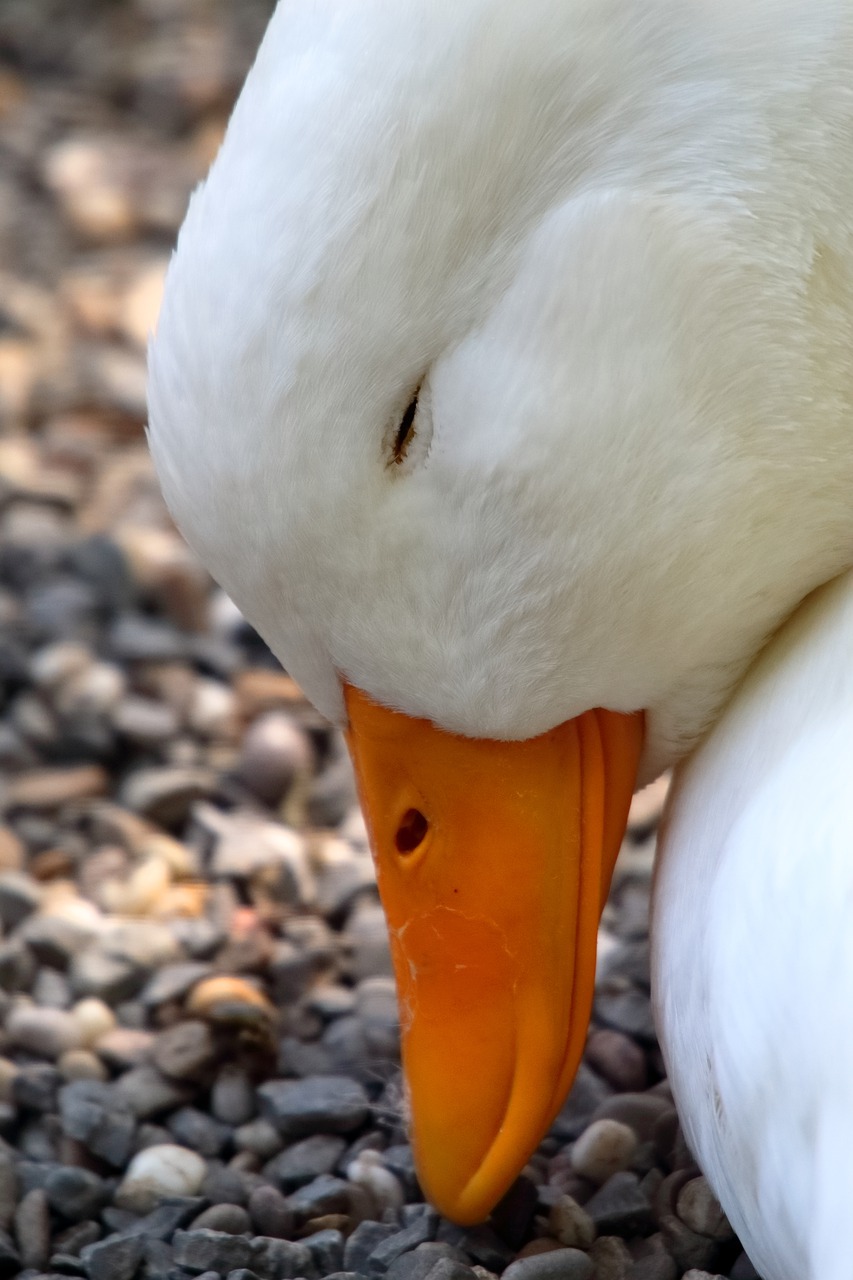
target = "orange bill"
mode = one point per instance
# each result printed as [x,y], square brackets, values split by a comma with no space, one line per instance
[494,860]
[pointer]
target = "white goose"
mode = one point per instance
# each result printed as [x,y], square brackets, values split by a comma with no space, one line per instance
[504,375]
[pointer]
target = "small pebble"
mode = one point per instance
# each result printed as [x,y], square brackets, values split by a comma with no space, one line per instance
[160,1171]
[605,1148]
[560,1264]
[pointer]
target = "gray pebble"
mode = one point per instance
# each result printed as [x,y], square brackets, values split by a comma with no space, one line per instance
[326,1249]
[324,1195]
[8,1188]
[171,1213]
[640,1111]
[610,1257]
[273,752]
[419,1264]
[232,1098]
[111,978]
[185,1051]
[367,1236]
[559,1264]
[330,1104]
[116,1258]
[20,896]
[75,1193]
[259,1137]
[198,1131]
[10,1263]
[17,966]
[620,1207]
[230,1218]
[270,1213]
[605,1147]
[389,1250]
[148,1093]
[36,1085]
[450,1269]
[272,1258]
[689,1248]
[92,1113]
[32,1229]
[226,1186]
[587,1093]
[481,1244]
[76,1237]
[204,1250]
[172,982]
[305,1160]
[624,1007]
[54,940]
[367,939]
[655,1266]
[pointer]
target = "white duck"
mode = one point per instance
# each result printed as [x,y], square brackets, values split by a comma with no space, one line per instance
[504,375]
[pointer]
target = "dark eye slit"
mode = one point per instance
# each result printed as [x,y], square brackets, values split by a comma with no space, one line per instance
[406,429]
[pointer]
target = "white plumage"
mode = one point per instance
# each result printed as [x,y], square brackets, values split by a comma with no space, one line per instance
[611,243]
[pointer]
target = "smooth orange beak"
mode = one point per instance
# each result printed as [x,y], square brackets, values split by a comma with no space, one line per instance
[494,860]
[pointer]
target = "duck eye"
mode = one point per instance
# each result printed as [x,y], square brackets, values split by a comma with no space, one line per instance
[406,431]
[411,831]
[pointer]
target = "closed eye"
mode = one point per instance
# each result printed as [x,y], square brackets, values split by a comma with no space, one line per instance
[406,431]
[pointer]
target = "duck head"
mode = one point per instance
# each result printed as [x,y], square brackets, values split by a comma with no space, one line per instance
[479,385]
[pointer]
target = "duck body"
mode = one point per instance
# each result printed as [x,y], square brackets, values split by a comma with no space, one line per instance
[753,951]
[503,379]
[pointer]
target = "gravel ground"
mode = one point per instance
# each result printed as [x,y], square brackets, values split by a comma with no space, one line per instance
[199,1070]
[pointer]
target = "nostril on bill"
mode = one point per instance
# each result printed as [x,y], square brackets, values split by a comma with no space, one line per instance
[411,831]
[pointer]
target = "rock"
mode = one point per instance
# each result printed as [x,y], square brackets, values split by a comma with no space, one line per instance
[8,1188]
[604,1148]
[369,1171]
[96,1115]
[185,1051]
[173,982]
[277,1258]
[618,1058]
[367,938]
[44,1032]
[655,1266]
[160,1171]
[165,794]
[620,1208]
[559,1264]
[11,850]
[570,1224]
[230,1001]
[10,1262]
[395,1246]
[35,1086]
[116,1258]
[610,1257]
[81,1064]
[330,1104]
[227,1184]
[75,1193]
[94,1019]
[326,1248]
[270,1213]
[273,753]
[211,1251]
[624,1008]
[198,1131]
[232,1098]
[699,1209]
[50,789]
[110,978]
[366,1237]
[422,1261]
[230,1218]
[260,1138]
[55,940]
[640,1111]
[324,1195]
[32,1229]
[20,896]
[144,721]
